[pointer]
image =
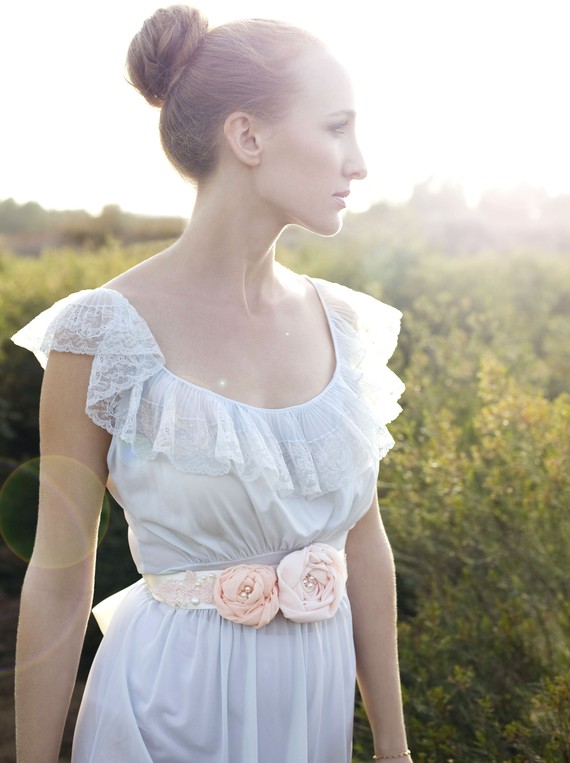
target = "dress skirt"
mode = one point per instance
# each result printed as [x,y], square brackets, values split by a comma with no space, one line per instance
[178,686]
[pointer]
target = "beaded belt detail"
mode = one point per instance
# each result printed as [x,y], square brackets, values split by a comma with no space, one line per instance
[306,586]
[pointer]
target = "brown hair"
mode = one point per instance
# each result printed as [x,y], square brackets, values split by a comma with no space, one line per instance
[200,76]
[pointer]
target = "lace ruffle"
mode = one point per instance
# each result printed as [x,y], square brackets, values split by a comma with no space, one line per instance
[101,323]
[312,449]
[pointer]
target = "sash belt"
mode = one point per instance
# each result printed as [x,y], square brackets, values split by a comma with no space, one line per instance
[306,586]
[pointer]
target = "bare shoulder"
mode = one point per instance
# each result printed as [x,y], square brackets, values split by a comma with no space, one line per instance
[143,279]
[298,289]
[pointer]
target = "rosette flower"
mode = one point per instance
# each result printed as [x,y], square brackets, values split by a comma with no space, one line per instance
[247,594]
[312,582]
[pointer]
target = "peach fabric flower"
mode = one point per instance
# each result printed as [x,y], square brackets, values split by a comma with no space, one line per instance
[312,582]
[247,594]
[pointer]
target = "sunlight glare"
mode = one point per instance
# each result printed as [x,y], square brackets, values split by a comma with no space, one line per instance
[471,90]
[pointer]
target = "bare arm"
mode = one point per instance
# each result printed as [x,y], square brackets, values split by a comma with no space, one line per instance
[372,591]
[58,587]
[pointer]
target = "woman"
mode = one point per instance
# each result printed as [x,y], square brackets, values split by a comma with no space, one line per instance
[237,412]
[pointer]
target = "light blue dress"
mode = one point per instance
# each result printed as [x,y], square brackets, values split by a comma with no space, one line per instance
[207,482]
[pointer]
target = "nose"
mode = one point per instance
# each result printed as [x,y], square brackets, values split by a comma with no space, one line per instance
[355,166]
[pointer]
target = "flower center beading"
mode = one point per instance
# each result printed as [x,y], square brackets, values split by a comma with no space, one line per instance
[309,582]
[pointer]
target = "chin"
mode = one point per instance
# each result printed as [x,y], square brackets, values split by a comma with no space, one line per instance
[329,228]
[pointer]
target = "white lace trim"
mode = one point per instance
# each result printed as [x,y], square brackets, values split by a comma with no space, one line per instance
[312,449]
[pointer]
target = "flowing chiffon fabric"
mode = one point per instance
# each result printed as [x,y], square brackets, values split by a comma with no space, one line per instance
[208,482]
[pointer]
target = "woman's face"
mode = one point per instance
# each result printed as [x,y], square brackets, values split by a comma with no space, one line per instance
[311,156]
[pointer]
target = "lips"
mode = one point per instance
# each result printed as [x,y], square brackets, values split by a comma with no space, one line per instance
[340,198]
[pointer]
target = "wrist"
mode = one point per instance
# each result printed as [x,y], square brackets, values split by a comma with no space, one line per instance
[404,756]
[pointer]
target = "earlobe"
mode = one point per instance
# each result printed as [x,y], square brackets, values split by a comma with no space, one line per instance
[244,138]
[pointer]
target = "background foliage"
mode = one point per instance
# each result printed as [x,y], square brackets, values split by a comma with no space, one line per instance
[476,494]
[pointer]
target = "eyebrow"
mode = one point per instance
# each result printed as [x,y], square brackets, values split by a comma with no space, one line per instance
[343,112]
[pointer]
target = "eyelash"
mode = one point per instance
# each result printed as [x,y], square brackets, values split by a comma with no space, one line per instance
[339,128]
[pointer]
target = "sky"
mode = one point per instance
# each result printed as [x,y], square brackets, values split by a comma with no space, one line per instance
[473,92]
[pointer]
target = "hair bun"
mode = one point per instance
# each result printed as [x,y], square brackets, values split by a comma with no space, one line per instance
[162,48]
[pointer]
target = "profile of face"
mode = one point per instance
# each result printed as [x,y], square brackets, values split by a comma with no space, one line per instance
[311,155]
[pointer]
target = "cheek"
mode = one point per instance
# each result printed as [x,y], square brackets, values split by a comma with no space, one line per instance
[296,169]
[317,155]
[307,151]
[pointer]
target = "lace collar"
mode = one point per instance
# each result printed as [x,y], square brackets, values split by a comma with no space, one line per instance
[311,448]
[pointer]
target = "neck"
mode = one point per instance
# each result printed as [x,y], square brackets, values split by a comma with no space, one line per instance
[227,251]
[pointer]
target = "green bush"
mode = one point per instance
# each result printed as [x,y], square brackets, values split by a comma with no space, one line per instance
[475,495]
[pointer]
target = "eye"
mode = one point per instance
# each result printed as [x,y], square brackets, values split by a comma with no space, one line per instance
[339,128]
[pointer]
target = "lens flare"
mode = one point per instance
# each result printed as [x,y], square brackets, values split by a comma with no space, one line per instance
[19,499]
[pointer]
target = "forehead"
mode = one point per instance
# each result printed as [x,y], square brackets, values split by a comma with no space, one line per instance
[324,85]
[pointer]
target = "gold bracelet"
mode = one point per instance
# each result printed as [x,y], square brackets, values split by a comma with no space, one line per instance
[391,757]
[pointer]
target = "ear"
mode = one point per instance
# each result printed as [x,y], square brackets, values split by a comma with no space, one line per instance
[243,134]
